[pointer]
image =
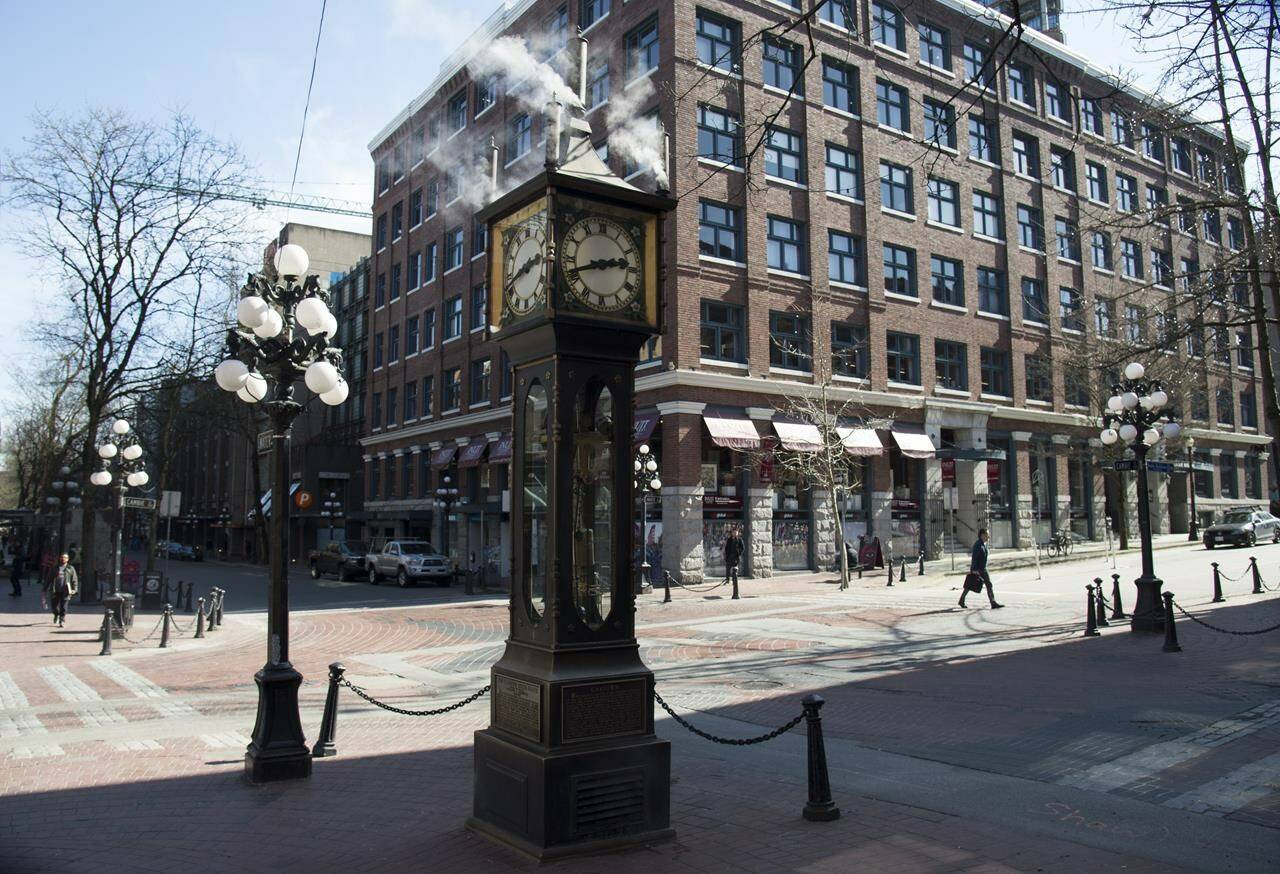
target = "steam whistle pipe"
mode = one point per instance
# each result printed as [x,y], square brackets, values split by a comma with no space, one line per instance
[582,68]
[493,169]
[553,134]
[666,160]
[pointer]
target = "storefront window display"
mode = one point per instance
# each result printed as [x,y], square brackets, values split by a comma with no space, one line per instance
[1081,486]
[1000,516]
[792,523]
[722,503]
[1044,489]
[905,511]
[855,500]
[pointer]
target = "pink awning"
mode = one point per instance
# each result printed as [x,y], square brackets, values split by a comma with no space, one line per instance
[473,451]
[501,452]
[731,432]
[860,441]
[912,443]
[644,425]
[443,456]
[798,436]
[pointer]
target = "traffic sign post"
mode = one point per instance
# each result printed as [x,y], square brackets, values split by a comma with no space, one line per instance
[139,503]
[1160,467]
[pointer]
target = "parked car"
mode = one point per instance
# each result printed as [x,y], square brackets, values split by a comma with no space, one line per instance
[342,559]
[407,562]
[1242,528]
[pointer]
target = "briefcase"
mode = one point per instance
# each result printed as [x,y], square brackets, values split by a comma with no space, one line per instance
[974,582]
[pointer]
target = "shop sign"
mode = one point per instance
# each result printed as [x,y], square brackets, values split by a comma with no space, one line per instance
[765,469]
[788,515]
[948,470]
[993,471]
[722,502]
[722,515]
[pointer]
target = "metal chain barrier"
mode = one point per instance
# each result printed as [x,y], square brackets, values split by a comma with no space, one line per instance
[191,624]
[1226,576]
[117,627]
[697,590]
[1224,630]
[400,710]
[728,741]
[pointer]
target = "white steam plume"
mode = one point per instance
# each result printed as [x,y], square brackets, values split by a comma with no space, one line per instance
[533,83]
[636,137]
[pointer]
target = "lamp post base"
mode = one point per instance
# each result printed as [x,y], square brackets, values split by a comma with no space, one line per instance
[278,750]
[1148,614]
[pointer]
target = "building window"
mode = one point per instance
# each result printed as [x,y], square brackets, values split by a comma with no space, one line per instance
[1091,115]
[486,94]
[642,48]
[429,263]
[1208,167]
[1158,204]
[895,188]
[1039,378]
[380,290]
[380,232]
[411,336]
[592,11]
[722,337]
[785,244]
[1180,155]
[433,197]
[376,416]
[453,317]
[1068,239]
[519,137]
[902,353]
[1070,310]
[718,40]
[1095,176]
[1152,143]
[951,361]
[1226,410]
[456,112]
[428,396]
[410,402]
[1126,193]
[939,124]
[1235,232]
[995,372]
[1131,258]
[976,68]
[1244,350]
[395,282]
[850,355]
[1026,155]
[838,13]
[935,45]
[378,350]
[1055,100]
[1034,306]
[1100,250]
[993,294]
[1062,164]
[944,202]
[784,155]
[1135,318]
[415,208]
[507,379]
[453,249]
[947,278]
[986,216]
[1253,478]
[845,258]
[1212,226]
[983,141]
[1104,316]
[1030,227]
[893,109]
[1248,410]
[479,307]
[789,341]
[720,231]
[1227,473]
[1121,130]
[719,135]
[393,407]
[1161,268]
[451,389]
[393,344]
[1021,84]
[479,381]
[597,84]
[840,86]
[782,65]
[899,270]
[843,172]
[887,27]
[479,239]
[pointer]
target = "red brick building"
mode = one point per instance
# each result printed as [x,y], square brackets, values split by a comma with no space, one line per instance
[1003,235]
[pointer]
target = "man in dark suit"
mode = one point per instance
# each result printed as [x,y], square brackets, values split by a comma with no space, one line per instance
[978,566]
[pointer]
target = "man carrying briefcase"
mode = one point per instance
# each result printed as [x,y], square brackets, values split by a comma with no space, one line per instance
[978,577]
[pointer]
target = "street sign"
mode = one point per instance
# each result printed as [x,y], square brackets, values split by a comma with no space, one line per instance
[1160,466]
[140,503]
[170,504]
[1125,464]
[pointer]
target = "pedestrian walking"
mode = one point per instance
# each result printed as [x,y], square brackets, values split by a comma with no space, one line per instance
[16,573]
[978,576]
[732,555]
[63,586]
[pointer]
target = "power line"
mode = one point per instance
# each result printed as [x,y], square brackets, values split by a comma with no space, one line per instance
[306,107]
[264,199]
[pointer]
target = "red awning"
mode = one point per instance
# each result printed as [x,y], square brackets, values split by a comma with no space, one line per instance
[645,423]
[798,436]
[473,452]
[730,431]
[443,456]
[501,451]
[912,442]
[860,441]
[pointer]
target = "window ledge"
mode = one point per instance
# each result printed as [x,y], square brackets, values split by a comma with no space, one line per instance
[945,227]
[724,262]
[847,198]
[516,160]
[641,366]
[478,406]
[1013,101]
[888,49]
[1074,331]
[636,80]
[594,24]
[996,317]
[451,269]
[787,182]
[897,132]
[797,96]
[1071,261]
[996,240]
[451,340]
[987,396]
[481,113]
[940,305]
[716,71]
[479,255]
[1030,323]
[716,362]
[774,271]
[984,162]
[951,392]
[1105,204]
[787,371]
[1104,271]
[908,216]
[719,165]
[1076,407]
[847,286]
[452,202]
[936,69]
[479,329]
[380,251]
[1039,253]
[843,113]
[1033,402]
[851,380]
[1066,191]
[904,386]
[893,295]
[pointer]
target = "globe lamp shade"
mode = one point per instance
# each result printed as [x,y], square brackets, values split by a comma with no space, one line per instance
[231,374]
[330,327]
[337,394]
[1134,371]
[321,377]
[1159,398]
[1128,433]
[1115,403]
[311,313]
[1172,430]
[1151,436]
[101,478]
[254,388]
[1129,399]
[107,450]
[1109,437]
[132,451]
[271,325]
[251,310]
[292,260]
[120,426]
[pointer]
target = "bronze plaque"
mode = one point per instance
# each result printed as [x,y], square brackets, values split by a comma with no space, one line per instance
[598,710]
[517,707]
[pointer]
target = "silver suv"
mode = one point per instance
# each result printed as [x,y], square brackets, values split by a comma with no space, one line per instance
[408,561]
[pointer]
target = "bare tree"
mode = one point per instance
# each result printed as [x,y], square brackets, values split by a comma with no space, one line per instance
[41,431]
[124,217]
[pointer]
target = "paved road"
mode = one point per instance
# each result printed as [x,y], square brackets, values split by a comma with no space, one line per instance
[959,740]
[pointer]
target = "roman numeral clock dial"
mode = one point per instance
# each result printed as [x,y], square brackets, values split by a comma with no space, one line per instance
[600,260]
[524,254]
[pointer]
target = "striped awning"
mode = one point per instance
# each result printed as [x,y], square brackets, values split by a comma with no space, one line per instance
[443,456]
[912,442]
[860,441]
[473,452]
[797,436]
[730,431]
[264,502]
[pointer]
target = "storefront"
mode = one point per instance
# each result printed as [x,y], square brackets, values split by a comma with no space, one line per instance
[723,478]
[1080,488]
[792,501]
[1043,464]
[442,461]
[909,448]
[1000,519]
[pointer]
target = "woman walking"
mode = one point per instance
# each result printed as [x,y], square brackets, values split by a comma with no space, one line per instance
[978,575]
[63,585]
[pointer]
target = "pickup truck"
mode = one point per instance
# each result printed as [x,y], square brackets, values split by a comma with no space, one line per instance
[407,562]
[343,560]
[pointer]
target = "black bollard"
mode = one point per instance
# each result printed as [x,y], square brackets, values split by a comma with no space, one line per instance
[921,571]
[859,571]
[1170,632]
[666,586]
[1117,609]
[1217,585]
[1101,611]
[735,586]
[820,807]
[1257,577]
[164,626]
[199,618]
[106,633]
[190,586]
[888,560]
[1091,621]
[902,569]
[222,597]
[324,745]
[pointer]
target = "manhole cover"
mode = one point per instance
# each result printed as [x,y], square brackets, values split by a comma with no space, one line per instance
[756,685]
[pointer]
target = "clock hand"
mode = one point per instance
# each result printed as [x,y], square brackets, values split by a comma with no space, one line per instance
[604,264]
[525,267]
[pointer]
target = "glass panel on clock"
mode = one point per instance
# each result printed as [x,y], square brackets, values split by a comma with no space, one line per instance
[535,492]
[593,506]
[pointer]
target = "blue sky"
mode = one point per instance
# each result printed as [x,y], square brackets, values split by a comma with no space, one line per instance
[239,68]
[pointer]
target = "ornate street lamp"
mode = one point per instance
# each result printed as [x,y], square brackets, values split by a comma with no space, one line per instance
[1193,527]
[331,509]
[446,496]
[1133,416]
[224,519]
[645,481]
[284,335]
[121,456]
[64,498]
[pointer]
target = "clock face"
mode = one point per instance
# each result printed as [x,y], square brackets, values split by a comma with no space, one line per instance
[524,256]
[600,260]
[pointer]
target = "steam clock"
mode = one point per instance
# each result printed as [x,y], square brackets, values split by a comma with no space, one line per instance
[569,763]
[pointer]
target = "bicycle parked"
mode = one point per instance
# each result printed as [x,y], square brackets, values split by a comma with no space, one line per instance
[1060,544]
